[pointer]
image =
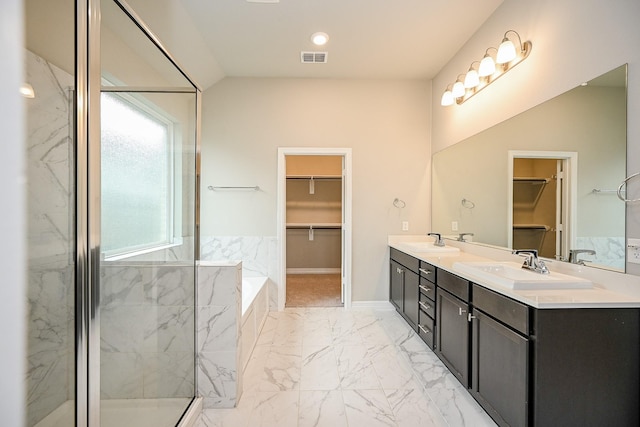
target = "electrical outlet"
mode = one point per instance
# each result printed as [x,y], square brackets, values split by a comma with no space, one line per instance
[405,225]
[633,251]
[454,225]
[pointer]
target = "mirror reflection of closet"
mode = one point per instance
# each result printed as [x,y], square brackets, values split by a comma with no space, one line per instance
[314,230]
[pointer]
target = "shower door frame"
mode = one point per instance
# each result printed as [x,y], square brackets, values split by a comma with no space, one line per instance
[88,185]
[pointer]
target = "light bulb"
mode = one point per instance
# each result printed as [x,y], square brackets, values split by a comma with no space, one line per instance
[447,99]
[458,89]
[27,91]
[319,39]
[487,66]
[472,79]
[506,52]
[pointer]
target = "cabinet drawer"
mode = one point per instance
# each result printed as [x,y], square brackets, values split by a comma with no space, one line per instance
[426,329]
[454,284]
[427,305]
[427,289]
[408,261]
[428,272]
[506,310]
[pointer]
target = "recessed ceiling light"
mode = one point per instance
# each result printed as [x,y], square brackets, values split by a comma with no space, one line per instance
[319,39]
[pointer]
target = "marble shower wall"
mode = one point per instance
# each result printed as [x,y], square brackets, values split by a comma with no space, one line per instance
[51,239]
[147,329]
[259,256]
[610,251]
[219,333]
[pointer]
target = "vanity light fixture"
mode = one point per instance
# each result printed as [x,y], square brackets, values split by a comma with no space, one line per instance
[447,97]
[27,91]
[472,79]
[507,56]
[319,39]
[458,88]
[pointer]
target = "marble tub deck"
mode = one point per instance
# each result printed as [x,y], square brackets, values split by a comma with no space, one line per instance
[330,367]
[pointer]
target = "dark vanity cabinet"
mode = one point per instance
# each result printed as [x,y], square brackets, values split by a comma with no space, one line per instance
[404,282]
[500,356]
[452,300]
[427,304]
[524,365]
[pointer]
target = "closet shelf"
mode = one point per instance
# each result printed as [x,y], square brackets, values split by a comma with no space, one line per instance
[530,180]
[314,225]
[314,177]
[531,227]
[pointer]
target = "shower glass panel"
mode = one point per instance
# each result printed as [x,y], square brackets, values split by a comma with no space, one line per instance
[50,169]
[148,234]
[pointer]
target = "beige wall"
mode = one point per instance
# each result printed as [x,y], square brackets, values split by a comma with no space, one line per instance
[573,41]
[386,123]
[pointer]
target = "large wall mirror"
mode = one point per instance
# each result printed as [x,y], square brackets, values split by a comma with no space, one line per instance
[545,179]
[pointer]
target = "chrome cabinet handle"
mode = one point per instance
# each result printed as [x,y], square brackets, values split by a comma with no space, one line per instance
[461,311]
[425,306]
[470,317]
[424,288]
[426,331]
[422,270]
[399,270]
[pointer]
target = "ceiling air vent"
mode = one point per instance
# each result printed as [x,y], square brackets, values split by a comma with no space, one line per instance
[313,57]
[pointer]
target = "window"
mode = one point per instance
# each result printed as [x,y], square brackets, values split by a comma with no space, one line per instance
[137,176]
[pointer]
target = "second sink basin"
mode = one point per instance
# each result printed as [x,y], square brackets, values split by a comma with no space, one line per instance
[513,276]
[429,247]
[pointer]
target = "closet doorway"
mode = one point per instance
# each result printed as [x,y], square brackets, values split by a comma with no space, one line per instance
[314,215]
[542,197]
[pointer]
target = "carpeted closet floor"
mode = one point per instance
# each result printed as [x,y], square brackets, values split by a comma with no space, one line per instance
[313,290]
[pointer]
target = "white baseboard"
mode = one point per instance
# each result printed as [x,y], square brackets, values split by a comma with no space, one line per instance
[375,305]
[314,270]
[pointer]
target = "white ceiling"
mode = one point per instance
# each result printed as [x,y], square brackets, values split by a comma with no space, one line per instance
[401,39]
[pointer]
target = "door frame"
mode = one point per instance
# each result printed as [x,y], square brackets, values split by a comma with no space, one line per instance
[281,217]
[570,198]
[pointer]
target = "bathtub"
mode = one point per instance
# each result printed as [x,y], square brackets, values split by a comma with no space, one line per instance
[255,307]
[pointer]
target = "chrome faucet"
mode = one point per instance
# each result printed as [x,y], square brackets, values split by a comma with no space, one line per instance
[573,255]
[439,241]
[531,261]
[461,236]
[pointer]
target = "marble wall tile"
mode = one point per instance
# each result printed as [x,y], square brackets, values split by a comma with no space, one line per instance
[121,375]
[168,374]
[50,239]
[218,379]
[219,335]
[171,285]
[610,251]
[168,329]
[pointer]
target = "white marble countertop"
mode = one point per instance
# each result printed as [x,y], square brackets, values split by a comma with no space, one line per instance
[597,297]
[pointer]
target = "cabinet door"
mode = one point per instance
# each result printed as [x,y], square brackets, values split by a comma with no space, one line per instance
[396,281]
[453,334]
[500,370]
[411,296]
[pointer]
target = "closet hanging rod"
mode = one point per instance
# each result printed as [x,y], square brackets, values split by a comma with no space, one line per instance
[215,188]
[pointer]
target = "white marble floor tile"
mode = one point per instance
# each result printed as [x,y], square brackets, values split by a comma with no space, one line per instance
[275,409]
[322,409]
[413,408]
[235,417]
[282,369]
[319,369]
[368,408]
[355,368]
[393,371]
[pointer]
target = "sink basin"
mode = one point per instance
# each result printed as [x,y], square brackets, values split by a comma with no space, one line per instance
[429,247]
[513,276]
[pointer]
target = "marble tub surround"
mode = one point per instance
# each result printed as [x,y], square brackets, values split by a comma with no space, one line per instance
[147,323]
[51,243]
[259,256]
[254,315]
[332,367]
[611,289]
[219,333]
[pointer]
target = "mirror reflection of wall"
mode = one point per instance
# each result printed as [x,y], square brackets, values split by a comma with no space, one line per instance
[590,120]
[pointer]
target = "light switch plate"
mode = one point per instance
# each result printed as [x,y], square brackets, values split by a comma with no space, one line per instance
[633,251]
[405,225]
[454,225]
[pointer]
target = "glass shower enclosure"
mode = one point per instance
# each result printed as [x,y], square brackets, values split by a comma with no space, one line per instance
[112,179]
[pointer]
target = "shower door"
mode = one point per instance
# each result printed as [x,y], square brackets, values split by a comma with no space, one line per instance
[147,146]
